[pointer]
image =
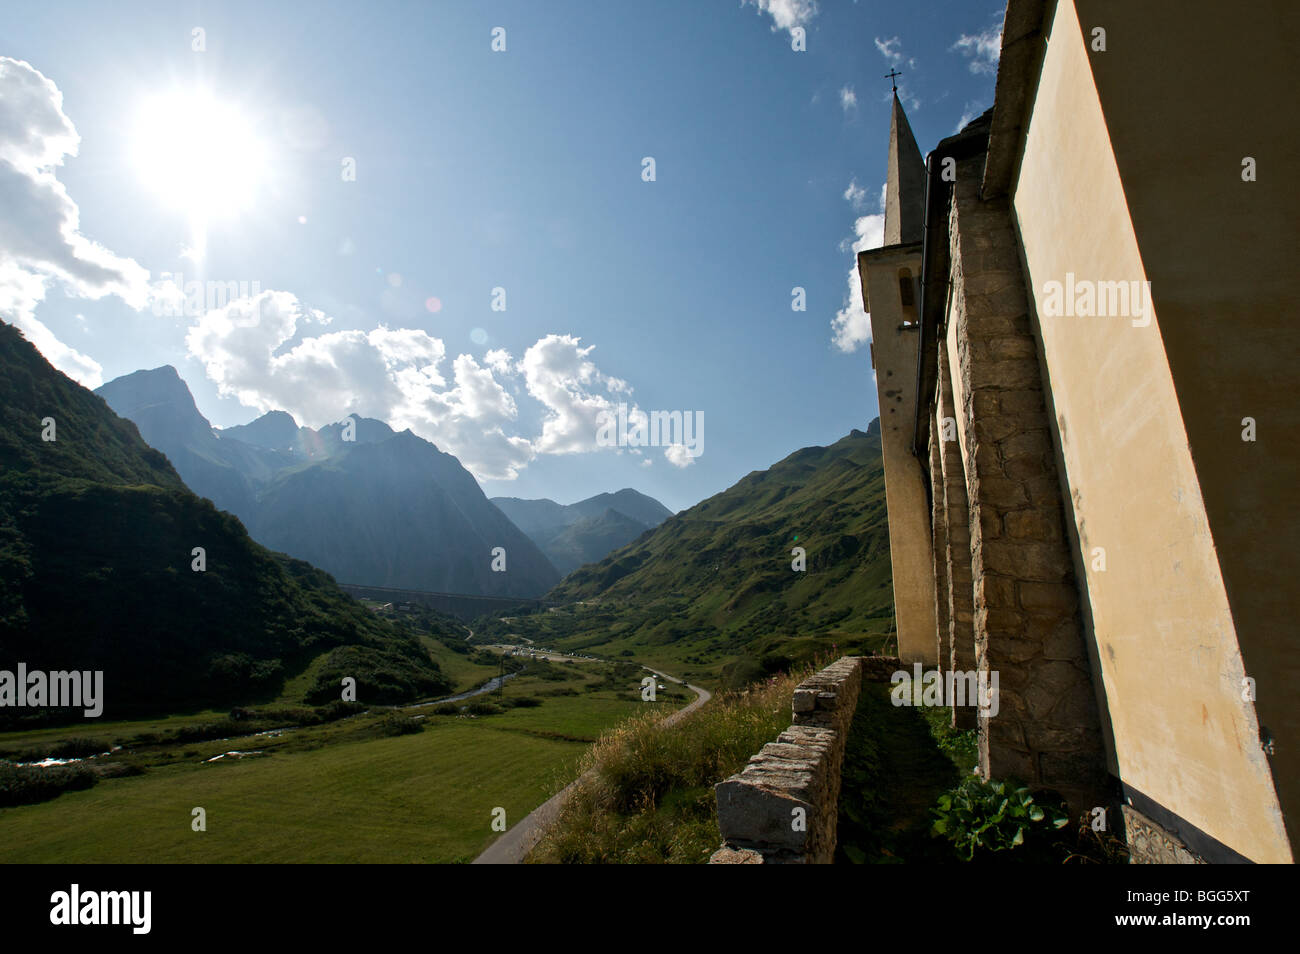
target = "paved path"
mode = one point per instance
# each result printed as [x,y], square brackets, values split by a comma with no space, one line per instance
[513,846]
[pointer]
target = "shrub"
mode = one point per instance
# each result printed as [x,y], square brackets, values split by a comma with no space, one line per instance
[25,784]
[547,671]
[394,723]
[986,817]
[79,748]
[521,702]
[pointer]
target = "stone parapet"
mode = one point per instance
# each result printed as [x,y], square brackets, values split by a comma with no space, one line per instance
[781,808]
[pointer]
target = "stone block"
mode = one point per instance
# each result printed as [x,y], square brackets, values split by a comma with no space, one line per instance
[1026,560]
[1031,525]
[751,814]
[1023,468]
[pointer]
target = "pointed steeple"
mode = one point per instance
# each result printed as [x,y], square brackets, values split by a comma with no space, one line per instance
[905,184]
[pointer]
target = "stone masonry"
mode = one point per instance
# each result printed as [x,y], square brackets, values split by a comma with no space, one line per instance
[939,530]
[759,807]
[1027,626]
[1149,844]
[959,650]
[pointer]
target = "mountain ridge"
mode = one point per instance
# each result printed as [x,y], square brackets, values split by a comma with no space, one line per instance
[714,590]
[572,535]
[379,509]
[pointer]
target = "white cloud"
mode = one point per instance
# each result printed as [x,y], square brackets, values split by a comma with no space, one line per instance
[848,98]
[855,195]
[255,350]
[786,14]
[851,326]
[983,49]
[892,50]
[500,361]
[678,455]
[559,373]
[40,240]
[319,380]
[39,230]
[20,293]
[970,111]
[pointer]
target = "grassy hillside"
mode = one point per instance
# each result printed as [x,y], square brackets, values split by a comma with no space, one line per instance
[97,534]
[649,797]
[712,590]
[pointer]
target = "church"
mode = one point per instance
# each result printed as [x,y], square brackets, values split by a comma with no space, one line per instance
[1084,334]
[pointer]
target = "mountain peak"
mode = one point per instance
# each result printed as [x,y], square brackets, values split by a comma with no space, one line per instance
[276,430]
[148,387]
[368,429]
[278,417]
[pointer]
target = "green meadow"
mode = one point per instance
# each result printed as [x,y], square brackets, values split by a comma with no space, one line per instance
[351,790]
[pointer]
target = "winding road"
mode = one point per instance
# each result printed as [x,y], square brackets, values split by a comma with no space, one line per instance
[513,846]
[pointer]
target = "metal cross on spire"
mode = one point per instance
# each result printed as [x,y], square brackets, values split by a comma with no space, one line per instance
[890,76]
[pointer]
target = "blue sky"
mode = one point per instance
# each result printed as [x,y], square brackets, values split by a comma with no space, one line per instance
[477,170]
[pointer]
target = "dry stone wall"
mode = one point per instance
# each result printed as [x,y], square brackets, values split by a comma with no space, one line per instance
[782,807]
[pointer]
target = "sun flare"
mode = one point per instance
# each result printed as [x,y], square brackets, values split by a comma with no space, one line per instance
[200,155]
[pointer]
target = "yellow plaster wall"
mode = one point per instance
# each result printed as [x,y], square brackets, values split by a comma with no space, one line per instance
[1165,636]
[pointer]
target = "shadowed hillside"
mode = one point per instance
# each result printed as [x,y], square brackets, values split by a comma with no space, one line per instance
[97,534]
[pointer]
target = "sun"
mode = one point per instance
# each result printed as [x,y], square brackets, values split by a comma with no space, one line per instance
[198,154]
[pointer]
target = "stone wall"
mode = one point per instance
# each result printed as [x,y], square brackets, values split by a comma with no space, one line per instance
[1027,624]
[782,807]
[941,543]
[959,648]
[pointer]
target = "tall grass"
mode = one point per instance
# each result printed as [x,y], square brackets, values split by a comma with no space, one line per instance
[649,795]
